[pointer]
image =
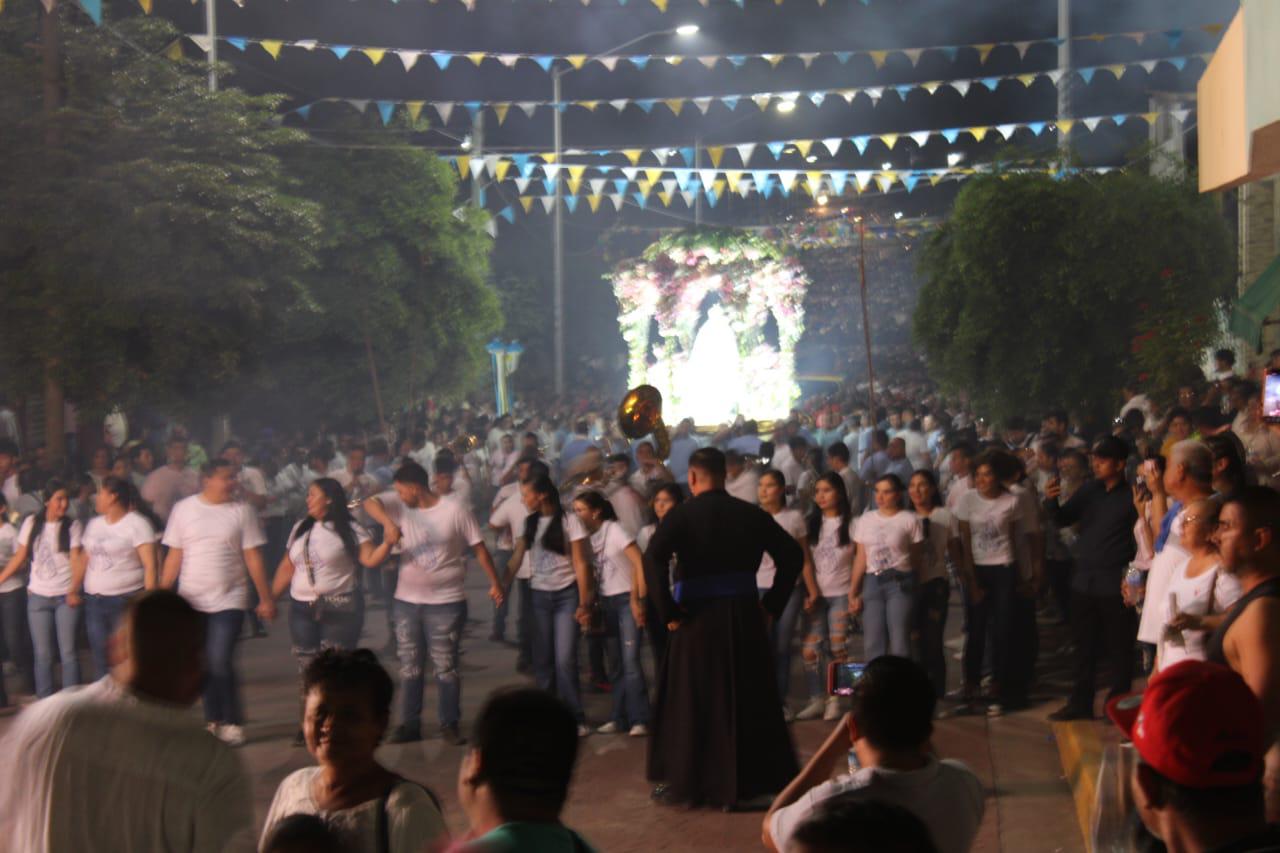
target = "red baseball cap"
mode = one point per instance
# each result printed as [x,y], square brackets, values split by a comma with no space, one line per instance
[1197,724]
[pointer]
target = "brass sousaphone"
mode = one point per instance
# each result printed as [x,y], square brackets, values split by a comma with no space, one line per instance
[640,414]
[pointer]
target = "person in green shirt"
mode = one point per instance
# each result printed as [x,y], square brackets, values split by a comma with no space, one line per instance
[514,780]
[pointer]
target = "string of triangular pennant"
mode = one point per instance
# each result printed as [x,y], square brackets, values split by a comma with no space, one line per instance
[442,59]
[761,100]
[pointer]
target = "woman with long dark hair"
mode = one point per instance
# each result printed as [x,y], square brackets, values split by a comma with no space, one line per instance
[51,540]
[829,533]
[885,571]
[933,592]
[321,570]
[666,497]
[621,587]
[13,607]
[562,590]
[772,494]
[120,561]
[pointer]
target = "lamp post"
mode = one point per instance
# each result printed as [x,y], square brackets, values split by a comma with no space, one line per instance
[557,234]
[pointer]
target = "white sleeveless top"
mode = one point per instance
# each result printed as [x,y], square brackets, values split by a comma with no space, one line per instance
[1212,591]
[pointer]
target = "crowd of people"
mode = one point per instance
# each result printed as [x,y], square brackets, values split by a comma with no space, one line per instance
[1153,539]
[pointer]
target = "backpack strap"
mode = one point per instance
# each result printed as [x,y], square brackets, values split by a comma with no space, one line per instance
[384,817]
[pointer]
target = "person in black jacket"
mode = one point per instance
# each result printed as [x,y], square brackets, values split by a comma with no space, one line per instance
[719,738]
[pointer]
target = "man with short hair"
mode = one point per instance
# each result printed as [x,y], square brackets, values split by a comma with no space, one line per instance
[747,444]
[741,481]
[120,764]
[899,464]
[514,781]
[1103,626]
[889,729]
[1198,733]
[430,599]
[719,737]
[960,460]
[167,485]
[877,462]
[1248,640]
[1055,426]
[214,544]
[576,446]
[838,460]
[650,471]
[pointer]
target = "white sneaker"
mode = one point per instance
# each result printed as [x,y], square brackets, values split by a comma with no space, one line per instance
[813,710]
[609,728]
[213,729]
[639,730]
[833,710]
[231,735]
[583,730]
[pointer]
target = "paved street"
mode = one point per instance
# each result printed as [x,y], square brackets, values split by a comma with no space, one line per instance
[1029,807]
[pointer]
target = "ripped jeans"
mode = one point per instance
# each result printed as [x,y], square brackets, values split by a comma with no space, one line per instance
[433,630]
[630,695]
[826,637]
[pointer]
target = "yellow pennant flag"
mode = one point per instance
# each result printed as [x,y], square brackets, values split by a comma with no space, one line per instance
[1065,124]
[632,154]
[734,178]
[661,4]
[878,57]
[715,152]
[576,172]
[774,59]
[577,60]
[809,188]
[526,201]
[414,108]
[1118,69]
[665,198]
[574,184]
[500,169]
[375,54]
[1096,37]
[652,175]
[145,4]
[463,163]
[272,47]
[717,186]
[589,106]
[548,157]
[931,86]
[978,133]
[813,179]
[476,58]
[1026,79]
[644,186]
[675,105]
[803,146]
[889,139]
[933,180]
[500,110]
[984,50]
[1150,118]
[173,51]
[594,202]
[674,60]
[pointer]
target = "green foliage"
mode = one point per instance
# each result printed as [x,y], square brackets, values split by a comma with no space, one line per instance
[726,241]
[1041,293]
[529,319]
[148,235]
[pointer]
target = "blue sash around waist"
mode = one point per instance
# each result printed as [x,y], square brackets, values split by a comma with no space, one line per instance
[727,585]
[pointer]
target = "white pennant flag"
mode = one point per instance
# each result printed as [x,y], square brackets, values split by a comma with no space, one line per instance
[551,170]
[849,95]
[509,60]
[920,137]
[444,109]
[597,185]
[491,227]
[620,104]
[707,176]
[1006,130]
[630,172]
[1149,65]
[305,44]
[491,163]
[1091,123]
[408,58]
[863,177]
[1181,115]
[528,107]
[670,185]
[609,62]
[1055,75]
[522,184]
[807,58]
[616,200]
[477,167]
[961,86]
[875,93]
[702,104]
[201,42]
[833,144]
[744,151]
[548,203]
[688,198]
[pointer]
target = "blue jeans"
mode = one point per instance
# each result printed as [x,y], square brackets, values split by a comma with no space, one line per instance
[630,693]
[555,644]
[101,616]
[784,631]
[222,682]
[435,630]
[17,638]
[314,626]
[886,613]
[826,638]
[53,634]
[501,558]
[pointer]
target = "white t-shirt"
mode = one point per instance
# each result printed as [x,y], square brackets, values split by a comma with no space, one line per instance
[832,562]
[942,527]
[946,795]
[9,544]
[628,505]
[888,539]
[991,525]
[958,488]
[165,486]
[433,549]
[791,521]
[213,539]
[114,566]
[334,570]
[50,568]
[553,572]
[508,518]
[852,488]
[413,821]
[613,567]
[745,487]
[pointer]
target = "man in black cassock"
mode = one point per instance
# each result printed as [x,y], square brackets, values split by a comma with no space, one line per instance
[718,735]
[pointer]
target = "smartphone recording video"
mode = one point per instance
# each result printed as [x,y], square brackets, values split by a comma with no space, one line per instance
[1271,398]
[842,676]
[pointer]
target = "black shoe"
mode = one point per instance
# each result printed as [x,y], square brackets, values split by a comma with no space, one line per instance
[299,739]
[405,733]
[451,736]
[1069,712]
[663,796]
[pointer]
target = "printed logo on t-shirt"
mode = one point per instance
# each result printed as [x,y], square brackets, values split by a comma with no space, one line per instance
[42,560]
[986,537]
[424,555]
[880,554]
[100,556]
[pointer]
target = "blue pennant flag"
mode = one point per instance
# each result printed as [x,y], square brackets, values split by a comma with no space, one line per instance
[860,142]
[544,62]
[739,2]
[521,162]
[1178,62]
[951,134]
[712,198]
[1174,37]
[1036,127]
[839,178]
[1119,119]
[1086,74]
[385,109]
[93,8]
[442,59]
[645,104]
[909,181]
[816,98]
[549,186]
[241,44]
[620,185]
[508,214]
[641,200]
[775,148]
[687,155]
[903,91]
[844,56]
[737,61]
[304,111]
[760,177]
[992,83]
[766,189]
[950,52]
[473,107]
[730,101]
[639,61]
[571,203]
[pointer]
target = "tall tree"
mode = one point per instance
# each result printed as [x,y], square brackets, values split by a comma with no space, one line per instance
[1043,293]
[143,255]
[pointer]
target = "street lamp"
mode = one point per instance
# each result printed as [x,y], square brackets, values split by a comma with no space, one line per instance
[557,238]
